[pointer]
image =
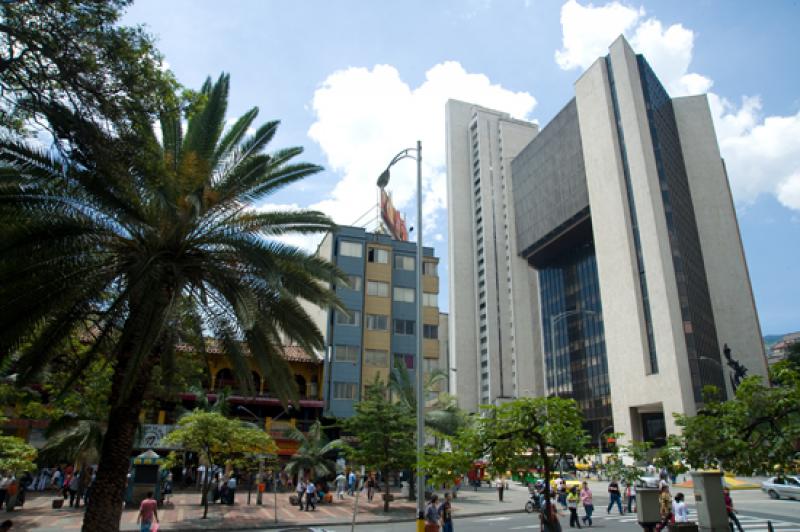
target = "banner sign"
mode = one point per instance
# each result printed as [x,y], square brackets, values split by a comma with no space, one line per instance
[391,217]
[151,437]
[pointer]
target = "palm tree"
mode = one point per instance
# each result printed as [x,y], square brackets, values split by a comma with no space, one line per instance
[313,453]
[75,441]
[443,416]
[120,228]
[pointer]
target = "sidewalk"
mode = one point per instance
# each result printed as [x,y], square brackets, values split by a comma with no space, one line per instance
[184,512]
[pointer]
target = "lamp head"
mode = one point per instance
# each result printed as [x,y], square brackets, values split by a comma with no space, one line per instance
[383,180]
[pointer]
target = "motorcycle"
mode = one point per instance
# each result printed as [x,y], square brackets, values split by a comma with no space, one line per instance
[533,504]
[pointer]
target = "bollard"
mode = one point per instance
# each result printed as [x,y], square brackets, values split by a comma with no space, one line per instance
[769,526]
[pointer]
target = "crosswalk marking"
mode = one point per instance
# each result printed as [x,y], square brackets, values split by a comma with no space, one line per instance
[749,522]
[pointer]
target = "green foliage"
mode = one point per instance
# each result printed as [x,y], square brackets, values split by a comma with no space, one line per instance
[71,440]
[313,455]
[76,55]
[16,455]
[757,431]
[671,456]
[525,432]
[628,473]
[217,439]
[442,466]
[384,430]
[443,416]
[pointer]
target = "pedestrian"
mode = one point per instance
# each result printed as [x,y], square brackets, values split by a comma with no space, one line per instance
[680,510]
[351,483]
[232,483]
[732,519]
[370,487]
[44,479]
[588,505]
[148,513]
[74,484]
[561,491]
[549,515]
[167,487]
[664,508]
[57,478]
[300,489]
[311,496]
[432,515]
[500,485]
[630,491]
[446,513]
[572,504]
[340,481]
[614,496]
[5,480]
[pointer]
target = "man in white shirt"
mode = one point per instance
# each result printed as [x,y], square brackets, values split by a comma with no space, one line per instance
[340,480]
[231,489]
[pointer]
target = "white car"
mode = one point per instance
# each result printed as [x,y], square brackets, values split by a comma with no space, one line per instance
[777,487]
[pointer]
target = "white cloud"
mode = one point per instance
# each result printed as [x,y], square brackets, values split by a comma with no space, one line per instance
[365,116]
[588,30]
[762,154]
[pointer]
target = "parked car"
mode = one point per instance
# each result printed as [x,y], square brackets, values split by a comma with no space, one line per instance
[650,481]
[571,481]
[777,487]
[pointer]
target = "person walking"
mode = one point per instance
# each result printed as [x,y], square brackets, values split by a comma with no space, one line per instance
[148,513]
[630,491]
[370,487]
[614,496]
[74,484]
[300,489]
[549,514]
[340,481]
[5,480]
[732,519]
[311,496]
[664,508]
[446,513]
[351,483]
[500,485]
[232,483]
[432,515]
[561,491]
[680,510]
[588,505]
[572,505]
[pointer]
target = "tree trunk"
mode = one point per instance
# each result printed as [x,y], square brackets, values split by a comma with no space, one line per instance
[386,492]
[412,485]
[105,510]
[206,486]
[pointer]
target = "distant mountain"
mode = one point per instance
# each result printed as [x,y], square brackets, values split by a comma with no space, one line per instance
[772,339]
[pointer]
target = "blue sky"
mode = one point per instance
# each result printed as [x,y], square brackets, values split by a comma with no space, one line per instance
[355,82]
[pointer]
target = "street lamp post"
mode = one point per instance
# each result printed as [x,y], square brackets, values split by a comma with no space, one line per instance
[600,447]
[383,180]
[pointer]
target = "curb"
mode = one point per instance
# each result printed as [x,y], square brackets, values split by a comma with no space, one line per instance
[289,524]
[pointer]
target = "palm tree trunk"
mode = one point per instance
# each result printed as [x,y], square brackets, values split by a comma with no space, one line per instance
[105,510]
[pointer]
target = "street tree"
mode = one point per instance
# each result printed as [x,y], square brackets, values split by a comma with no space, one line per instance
[314,452]
[16,455]
[76,55]
[532,432]
[384,431]
[756,431]
[444,464]
[130,226]
[636,450]
[217,439]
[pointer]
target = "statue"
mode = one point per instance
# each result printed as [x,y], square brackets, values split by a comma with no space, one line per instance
[738,371]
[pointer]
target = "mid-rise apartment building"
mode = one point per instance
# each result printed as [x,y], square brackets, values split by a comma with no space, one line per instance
[378,328]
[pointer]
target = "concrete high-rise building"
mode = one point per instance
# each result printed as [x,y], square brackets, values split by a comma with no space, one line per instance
[624,212]
[492,337]
[379,326]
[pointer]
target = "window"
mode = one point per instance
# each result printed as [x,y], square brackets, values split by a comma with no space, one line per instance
[430,331]
[404,262]
[376,357]
[377,322]
[377,255]
[404,359]
[377,288]
[429,268]
[348,317]
[430,300]
[404,327]
[344,390]
[353,282]
[430,364]
[349,249]
[347,353]
[406,295]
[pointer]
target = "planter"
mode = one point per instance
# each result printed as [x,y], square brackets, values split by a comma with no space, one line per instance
[387,497]
[58,503]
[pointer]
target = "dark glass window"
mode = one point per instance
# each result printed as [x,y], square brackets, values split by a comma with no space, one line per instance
[405,327]
[430,331]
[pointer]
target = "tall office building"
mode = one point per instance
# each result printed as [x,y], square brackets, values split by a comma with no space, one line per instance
[379,326]
[492,290]
[624,212]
